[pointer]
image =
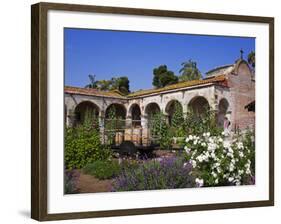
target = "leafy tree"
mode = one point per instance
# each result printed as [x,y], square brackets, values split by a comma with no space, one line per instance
[251,59]
[163,77]
[104,85]
[93,82]
[119,83]
[122,84]
[189,71]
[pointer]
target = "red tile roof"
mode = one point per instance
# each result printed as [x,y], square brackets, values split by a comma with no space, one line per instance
[93,92]
[220,79]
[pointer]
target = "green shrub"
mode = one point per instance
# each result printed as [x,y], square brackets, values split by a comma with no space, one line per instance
[161,130]
[103,169]
[195,124]
[177,117]
[218,161]
[111,125]
[83,145]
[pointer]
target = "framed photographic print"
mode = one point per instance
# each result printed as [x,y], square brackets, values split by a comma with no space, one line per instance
[139,111]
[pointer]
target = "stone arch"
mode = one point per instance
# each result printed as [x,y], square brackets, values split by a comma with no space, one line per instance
[135,114]
[223,108]
[199,105]
[120,111]
[83,108]
[151,109]
[170,109]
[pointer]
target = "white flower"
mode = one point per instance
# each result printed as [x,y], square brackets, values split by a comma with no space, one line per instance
[193,153]
[226,144]
[200,158]
[220,140]
[203,144]
[241,154]
[206,157]
[223,133]
[216,181]
[237,183]
[240,145]
[195,142]
[214,174]
[230,179]
[226,175]
[187,150]
[212,146]
[193,163]
[230,154]
[208,134]
[231,167]
[199,182]
[211,140]
[219,169]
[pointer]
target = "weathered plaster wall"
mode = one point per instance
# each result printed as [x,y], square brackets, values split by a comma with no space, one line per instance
[242,91]
[239,93]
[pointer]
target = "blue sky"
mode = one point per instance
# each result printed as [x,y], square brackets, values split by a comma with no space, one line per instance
[134,54]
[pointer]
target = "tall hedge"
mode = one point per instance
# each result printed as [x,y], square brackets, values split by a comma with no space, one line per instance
[83,144]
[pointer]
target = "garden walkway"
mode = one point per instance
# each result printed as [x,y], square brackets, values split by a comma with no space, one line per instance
[90,184]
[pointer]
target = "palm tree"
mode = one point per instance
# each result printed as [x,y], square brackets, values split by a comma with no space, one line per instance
[189,71]
[251,59]
[93,82]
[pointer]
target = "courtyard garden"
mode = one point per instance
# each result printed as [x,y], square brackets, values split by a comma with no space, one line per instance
[190,150]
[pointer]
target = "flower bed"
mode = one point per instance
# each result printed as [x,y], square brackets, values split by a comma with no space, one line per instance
[218,161]
[159,173]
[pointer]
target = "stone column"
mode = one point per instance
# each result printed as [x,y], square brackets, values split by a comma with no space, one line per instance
[145,130]
[184,111]
[70,118]
[102,128]
[128,122]
[166,117]
[128,129]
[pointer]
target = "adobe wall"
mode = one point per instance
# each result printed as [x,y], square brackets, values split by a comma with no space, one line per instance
[239,93]
[242,89]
